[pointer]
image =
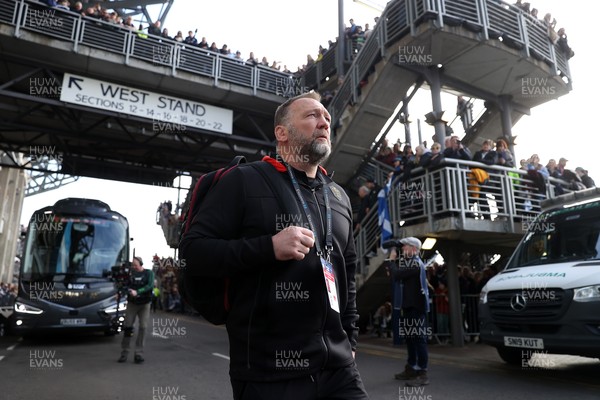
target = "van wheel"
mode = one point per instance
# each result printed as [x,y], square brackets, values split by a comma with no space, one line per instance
[514,356]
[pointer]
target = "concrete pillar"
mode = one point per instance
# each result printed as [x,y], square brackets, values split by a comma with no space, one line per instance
[12,188]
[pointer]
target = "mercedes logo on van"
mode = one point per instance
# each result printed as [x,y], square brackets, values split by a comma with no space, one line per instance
[518,302]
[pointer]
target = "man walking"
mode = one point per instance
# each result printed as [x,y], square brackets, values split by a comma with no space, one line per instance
[292,295]
[139,297]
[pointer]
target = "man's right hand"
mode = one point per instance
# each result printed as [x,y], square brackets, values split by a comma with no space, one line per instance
[293,243]
[393,254]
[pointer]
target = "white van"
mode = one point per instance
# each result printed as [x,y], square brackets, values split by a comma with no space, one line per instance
[547,299]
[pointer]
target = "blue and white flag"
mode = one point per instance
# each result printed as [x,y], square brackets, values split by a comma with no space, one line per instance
[385,223]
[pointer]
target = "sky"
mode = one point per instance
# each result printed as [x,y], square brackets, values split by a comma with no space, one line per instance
[287,31]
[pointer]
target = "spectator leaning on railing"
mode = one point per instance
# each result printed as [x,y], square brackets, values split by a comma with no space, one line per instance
[155,29]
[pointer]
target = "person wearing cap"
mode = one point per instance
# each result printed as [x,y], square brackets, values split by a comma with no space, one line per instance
[398,168]
[585,178]
[139,297]
[411,296]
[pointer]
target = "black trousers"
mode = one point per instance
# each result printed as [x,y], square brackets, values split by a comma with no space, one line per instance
[338,384]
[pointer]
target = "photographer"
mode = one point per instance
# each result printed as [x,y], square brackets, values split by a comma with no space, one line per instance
[411,295]
[455,149]
[139,296]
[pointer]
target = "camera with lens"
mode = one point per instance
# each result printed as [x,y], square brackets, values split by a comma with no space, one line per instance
[120,274]
[392,243]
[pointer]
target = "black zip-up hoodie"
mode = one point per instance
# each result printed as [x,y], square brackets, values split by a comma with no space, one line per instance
[280,323]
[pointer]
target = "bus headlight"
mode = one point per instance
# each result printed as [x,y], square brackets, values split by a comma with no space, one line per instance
[26,308]
[588,293]
[113,308]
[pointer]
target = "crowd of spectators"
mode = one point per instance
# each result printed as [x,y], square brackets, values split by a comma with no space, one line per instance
[556,37]
[8,294]
[354,34]
[111,16]
[491,153]
[471,279]
[166,294]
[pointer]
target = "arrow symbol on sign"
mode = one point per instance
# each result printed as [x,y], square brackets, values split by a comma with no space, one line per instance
[73,81]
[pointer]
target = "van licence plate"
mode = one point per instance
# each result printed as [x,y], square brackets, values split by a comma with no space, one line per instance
[73,321]
[524,342]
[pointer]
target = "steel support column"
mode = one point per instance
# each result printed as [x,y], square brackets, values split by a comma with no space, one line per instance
[456,320]
[433,77]
[506,110]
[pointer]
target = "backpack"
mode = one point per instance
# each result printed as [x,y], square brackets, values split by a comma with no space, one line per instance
[208,295]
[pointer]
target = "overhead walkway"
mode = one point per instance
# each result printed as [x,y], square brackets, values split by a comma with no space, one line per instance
[49,54]
[484,49]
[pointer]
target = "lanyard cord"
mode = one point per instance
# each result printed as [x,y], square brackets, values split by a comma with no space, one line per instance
[307,214]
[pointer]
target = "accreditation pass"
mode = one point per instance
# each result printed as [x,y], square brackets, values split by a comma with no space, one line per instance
[330,284]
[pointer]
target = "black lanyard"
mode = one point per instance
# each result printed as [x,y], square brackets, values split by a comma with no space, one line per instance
[329,230]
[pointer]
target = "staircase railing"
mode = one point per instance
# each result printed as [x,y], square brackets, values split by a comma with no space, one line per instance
[492,19]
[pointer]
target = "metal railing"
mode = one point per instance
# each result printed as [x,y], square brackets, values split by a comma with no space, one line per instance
[508,196]
[32,16]
[368,237]
[489,17]
[439,325]
[398,19]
